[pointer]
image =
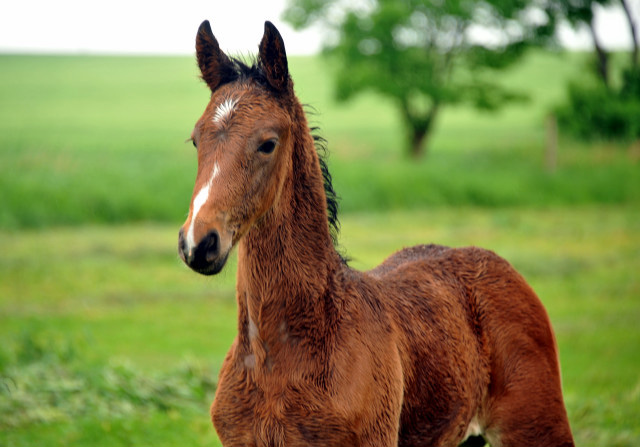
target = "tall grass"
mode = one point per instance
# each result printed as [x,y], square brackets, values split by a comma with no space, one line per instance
[47,380]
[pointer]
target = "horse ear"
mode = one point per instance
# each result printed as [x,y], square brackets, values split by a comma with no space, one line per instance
[273,58]
[215,66]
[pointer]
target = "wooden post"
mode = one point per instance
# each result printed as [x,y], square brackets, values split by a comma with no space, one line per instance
[551,149]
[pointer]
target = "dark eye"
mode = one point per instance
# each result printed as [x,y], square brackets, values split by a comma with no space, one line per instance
[194,143]
[267,147]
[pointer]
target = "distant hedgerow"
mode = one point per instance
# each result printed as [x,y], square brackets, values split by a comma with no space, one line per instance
[602,112]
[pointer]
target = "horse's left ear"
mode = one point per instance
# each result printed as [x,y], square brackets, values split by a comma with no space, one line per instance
[273,58]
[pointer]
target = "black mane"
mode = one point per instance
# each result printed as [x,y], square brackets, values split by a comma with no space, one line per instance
[329,192]
[239,70]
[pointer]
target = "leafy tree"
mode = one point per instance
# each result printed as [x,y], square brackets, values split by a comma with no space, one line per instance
[426,54]
[604,109]
[634,33]
[582,13]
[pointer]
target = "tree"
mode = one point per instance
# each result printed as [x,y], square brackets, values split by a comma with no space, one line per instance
[425,54]
[634,33]
[582,13]
[605,109]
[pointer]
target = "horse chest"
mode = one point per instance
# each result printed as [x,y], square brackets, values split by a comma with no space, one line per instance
[265,411]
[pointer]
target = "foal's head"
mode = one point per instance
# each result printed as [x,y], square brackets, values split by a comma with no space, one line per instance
[244,145]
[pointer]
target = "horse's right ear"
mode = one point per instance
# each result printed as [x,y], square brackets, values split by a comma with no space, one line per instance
[215,66]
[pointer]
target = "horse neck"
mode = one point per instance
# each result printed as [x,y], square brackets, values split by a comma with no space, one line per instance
[287,260]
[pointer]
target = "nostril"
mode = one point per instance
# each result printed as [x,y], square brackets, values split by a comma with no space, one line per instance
[204,257]
[211,245]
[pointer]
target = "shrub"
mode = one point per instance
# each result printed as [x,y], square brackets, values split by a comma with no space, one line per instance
[601,112]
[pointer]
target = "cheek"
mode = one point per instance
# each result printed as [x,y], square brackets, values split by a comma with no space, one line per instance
[272,183]
[260,192]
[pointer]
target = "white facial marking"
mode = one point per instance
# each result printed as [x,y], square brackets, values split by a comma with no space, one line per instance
[224,110]
[198,202]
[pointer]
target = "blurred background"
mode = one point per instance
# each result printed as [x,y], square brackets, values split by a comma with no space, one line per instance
[510,125]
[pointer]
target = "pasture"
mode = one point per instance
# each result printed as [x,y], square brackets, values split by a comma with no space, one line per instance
[108,339]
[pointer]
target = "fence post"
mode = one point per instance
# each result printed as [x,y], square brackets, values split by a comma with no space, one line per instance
[551,149]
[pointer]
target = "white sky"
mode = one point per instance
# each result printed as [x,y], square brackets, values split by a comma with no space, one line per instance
[156,27]
[141,26]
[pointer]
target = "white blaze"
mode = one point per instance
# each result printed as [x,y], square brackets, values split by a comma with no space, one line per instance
[224,110]
[198,202]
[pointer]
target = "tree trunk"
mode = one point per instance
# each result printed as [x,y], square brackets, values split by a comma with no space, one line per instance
[603,56]
[417,149]
[419,129]
[634,36]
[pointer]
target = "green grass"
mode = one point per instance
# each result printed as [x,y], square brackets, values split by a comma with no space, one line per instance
[108,339]
[105,299]
[102,140]
[95,139]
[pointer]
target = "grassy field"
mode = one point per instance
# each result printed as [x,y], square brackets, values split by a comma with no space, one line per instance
[107,339]
[102,140]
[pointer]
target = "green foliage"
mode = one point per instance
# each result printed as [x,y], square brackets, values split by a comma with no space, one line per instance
[602,110]
[630,84]
[46,381]
[595,111]
[579,12]
[420,53]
